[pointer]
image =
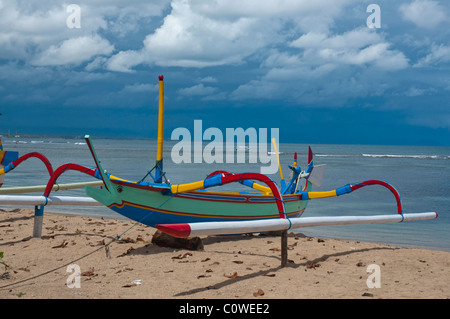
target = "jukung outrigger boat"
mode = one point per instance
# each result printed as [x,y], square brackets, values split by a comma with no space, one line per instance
[193,209]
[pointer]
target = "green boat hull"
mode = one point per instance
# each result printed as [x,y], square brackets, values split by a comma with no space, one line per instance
[157,205]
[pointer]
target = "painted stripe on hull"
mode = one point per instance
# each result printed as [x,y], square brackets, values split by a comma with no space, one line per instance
[212,197]
[239,198]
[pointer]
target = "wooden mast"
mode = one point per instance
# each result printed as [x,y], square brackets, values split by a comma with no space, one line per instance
[159,152]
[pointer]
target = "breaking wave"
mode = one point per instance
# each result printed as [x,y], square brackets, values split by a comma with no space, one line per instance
[405,156]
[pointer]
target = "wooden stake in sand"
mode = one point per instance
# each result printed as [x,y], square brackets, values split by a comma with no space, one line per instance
[38,220]
[284,248]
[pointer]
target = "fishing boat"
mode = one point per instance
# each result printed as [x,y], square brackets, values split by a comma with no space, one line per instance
[158,203]
[197,208]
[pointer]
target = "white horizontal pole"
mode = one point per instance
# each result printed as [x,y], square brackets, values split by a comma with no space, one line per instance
[41,188]
[24,200]
[239,227]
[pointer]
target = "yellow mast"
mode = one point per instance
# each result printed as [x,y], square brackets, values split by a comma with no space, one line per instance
[159,142]
[160,119]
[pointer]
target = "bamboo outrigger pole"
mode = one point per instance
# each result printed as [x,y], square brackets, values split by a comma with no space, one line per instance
[40,188]
[159,151]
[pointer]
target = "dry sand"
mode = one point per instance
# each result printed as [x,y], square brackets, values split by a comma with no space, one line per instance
[229,267]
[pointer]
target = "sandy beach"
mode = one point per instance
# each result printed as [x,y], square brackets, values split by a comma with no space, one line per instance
[229,267]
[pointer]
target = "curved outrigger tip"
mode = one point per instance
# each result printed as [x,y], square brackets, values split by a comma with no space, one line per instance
[105,195]
[310,155]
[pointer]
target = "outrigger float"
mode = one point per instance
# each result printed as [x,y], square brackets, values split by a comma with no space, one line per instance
[184,210]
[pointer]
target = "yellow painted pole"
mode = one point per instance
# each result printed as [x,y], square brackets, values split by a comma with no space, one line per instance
[159,151]
[274,142]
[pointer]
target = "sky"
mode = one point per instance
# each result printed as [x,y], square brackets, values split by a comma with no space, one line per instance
[330,72]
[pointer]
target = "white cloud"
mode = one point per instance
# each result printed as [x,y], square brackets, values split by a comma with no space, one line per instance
[356,47]
[414,91]
[424,13]
[353,39]
[208,79]
[140,88]
[125,17]
[73,51]
[30,26]
[21,28]
[377,54]
[307,15]
[124,61]
[97,63]
[439,54]
[225,32]
[189,39]
[197,90]
[31,29]
[327,69]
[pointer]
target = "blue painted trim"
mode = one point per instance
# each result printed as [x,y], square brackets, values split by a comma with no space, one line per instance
[247,182]
[39,210]
[159,171]
[10,157]
[343,190]
[214,180]
[305,195]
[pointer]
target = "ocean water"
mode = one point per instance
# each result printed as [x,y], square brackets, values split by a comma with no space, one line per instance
[421,175]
